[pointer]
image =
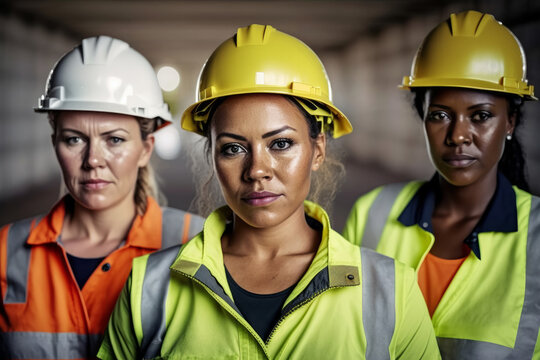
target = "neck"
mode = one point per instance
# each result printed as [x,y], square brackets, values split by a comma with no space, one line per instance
[97,227]
[293,236]
[470,200]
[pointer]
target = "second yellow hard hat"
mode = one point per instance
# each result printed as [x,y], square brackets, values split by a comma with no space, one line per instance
[471,50]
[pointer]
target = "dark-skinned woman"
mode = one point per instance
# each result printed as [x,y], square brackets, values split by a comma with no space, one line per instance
[472,232]
[268,278]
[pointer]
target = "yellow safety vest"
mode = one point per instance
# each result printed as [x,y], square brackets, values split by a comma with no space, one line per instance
[491,309]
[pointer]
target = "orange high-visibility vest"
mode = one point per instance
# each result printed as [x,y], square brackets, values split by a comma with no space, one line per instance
[43,313]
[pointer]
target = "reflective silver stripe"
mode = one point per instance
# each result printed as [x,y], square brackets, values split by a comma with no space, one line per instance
[196,226]
[18,260]
[172,227]
[378,303]
[153,300]
[464,349]
[530,315]
[378,214]
[43,345]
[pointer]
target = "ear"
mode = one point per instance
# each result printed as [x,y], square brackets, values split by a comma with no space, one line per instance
[319,151]
[511,125]
[148,148]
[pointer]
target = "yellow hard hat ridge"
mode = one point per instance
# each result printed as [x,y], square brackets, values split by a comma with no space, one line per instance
[471,50]
[261,59]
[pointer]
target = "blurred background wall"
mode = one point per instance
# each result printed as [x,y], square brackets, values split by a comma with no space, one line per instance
[367,47]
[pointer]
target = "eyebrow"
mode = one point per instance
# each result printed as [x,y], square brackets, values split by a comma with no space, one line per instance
[277,131]
[103,133]
[470,107]
[264,136]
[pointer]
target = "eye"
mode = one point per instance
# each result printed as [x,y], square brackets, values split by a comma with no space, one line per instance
[281,144]
[437,116]
[72,140]
[481,116]
[115,140]
[232,149]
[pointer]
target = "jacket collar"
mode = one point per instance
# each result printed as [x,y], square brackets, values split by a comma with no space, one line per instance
[500,214]
[335,258]
[145,231]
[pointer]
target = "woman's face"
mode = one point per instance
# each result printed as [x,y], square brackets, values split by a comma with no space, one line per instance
[100,155]
[465,132]
[263,156]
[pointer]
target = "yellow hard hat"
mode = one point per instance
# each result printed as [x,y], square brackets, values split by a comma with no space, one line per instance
[471,50]
[261,59]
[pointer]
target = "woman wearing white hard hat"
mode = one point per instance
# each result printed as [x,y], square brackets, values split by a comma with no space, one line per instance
[62,272]
[268,278]
[472,231]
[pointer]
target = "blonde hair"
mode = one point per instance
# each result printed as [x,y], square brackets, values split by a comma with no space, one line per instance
[147,183]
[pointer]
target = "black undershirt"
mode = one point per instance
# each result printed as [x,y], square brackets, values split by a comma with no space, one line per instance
[83,267]
[262,311]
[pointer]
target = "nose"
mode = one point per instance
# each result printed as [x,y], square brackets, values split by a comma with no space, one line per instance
[258,166]
[459,132]
[94,156]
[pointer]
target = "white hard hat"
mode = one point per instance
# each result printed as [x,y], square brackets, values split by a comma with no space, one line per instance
[106,75]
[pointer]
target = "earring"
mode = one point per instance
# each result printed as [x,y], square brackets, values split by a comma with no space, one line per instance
[508,136]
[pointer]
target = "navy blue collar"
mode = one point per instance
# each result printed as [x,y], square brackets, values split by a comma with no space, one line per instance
[500,214]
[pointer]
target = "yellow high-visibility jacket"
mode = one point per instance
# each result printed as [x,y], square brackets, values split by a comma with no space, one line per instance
[350,304]
[491,309]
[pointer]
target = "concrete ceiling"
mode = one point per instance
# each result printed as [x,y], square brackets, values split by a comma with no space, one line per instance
[184,33]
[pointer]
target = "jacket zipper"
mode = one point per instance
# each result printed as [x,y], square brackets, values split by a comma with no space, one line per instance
[282,318]
[229,309]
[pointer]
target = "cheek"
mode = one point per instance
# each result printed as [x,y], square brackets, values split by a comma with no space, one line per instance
[124,160]
[296,166]
[227,172]
[69,161]
[492,143]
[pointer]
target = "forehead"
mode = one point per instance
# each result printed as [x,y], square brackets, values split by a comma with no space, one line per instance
[93,119]
[466,97]
[257,113]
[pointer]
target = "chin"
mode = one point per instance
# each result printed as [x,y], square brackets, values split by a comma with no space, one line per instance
[459,178]
[94,203]
[259,218]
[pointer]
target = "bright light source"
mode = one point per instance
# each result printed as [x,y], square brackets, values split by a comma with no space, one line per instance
[167,142]
[168,78]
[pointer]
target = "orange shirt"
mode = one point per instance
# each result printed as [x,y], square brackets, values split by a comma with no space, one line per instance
[434,276]
[49,307]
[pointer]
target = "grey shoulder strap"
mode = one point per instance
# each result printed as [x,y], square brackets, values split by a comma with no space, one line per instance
[178,226]
[153,300]
[378,214]
[18,260]
[378,302]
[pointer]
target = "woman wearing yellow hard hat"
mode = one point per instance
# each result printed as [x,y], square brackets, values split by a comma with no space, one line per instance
[268,277]
[60,273]
[472,231]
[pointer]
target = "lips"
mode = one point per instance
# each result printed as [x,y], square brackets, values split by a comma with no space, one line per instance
[94,184]
[461,160]
[260,198]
